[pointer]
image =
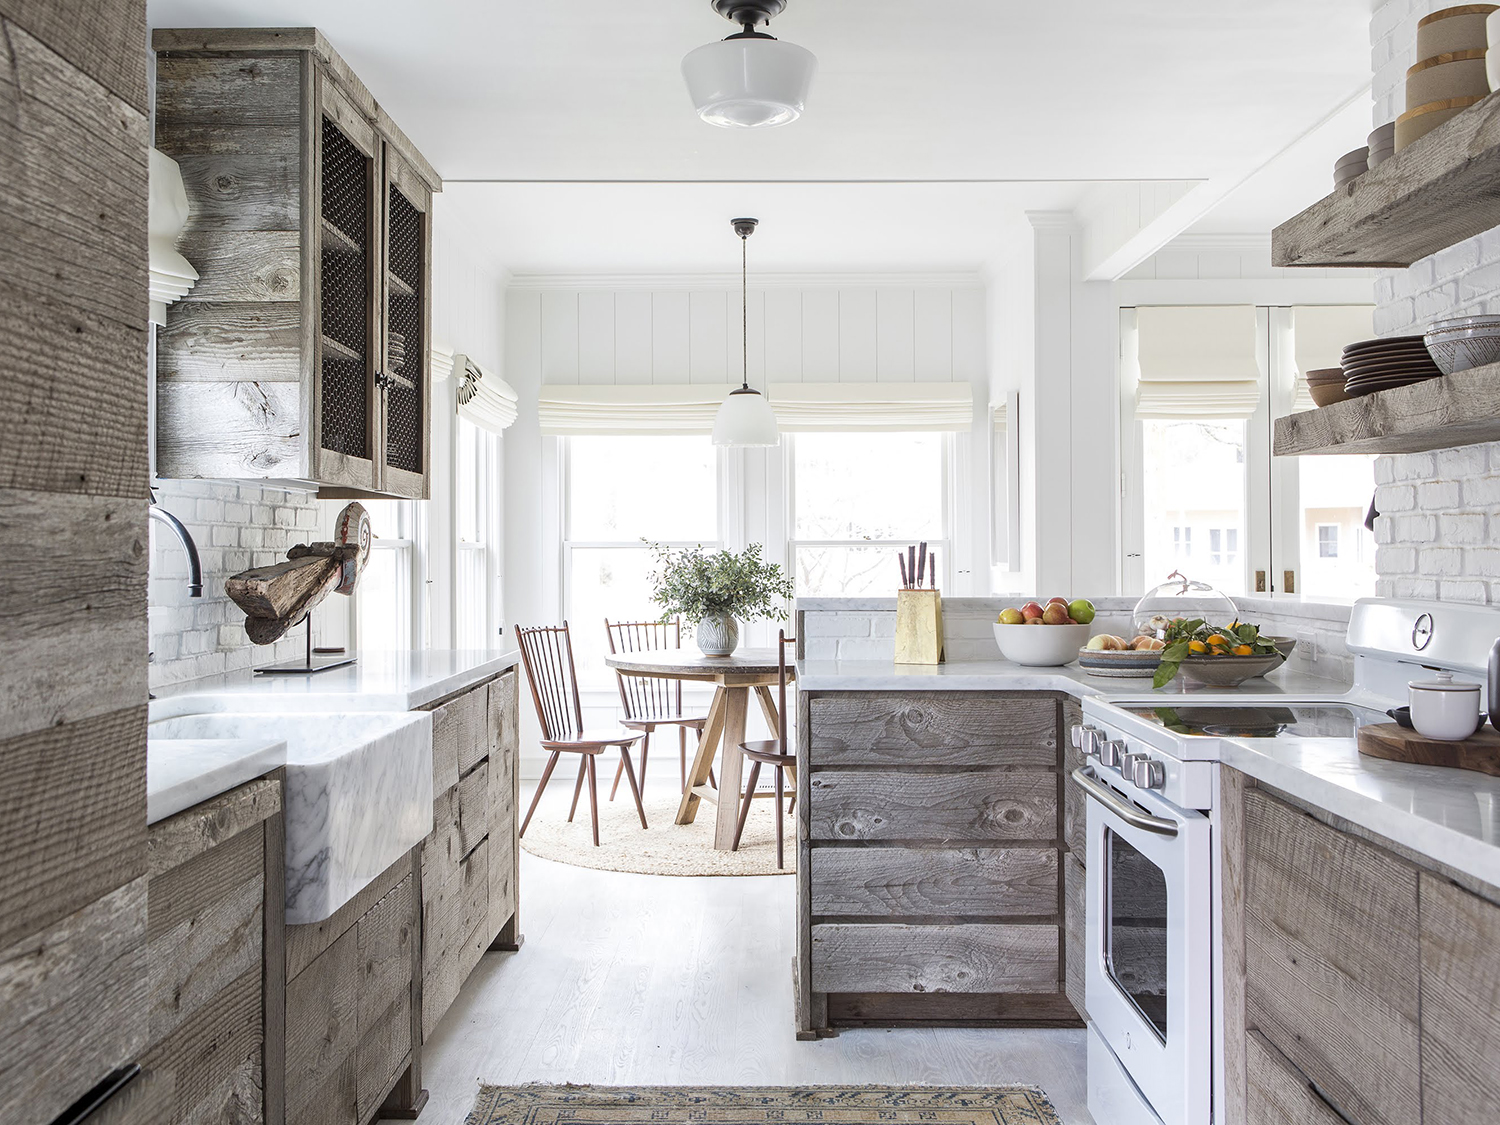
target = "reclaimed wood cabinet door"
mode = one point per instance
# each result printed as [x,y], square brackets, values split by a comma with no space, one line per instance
[1460,1005]
[1332,961]
[404,375]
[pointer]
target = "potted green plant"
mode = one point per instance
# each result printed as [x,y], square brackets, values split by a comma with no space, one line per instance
[714,590]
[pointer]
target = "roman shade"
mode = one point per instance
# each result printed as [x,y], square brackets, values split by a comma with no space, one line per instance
[1197,361]
[1319,334]
[690,409]
[483,397]
[872,406]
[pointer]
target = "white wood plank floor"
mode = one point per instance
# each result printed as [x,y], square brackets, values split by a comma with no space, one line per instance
[654,980]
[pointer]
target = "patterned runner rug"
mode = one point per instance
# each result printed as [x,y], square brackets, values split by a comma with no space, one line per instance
[762,1105]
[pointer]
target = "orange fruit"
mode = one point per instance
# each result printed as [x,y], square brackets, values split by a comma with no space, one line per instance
[1243,650]
[1197,646]
[1216,639]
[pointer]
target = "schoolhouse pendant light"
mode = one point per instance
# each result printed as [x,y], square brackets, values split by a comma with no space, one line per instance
[745,418]
[749,80]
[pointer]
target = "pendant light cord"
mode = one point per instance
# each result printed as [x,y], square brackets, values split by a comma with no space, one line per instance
[744,313]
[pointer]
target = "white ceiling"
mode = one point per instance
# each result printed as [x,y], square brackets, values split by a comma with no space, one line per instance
[945,90]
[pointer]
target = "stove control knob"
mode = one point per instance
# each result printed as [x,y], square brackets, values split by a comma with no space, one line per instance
[1076,734]
[1089,740]
[1147,773]
[1127,764]
[1113,753]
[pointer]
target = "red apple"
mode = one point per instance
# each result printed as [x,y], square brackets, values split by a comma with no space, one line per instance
[1033,621]
[1031,609]
[1057,601]
[1012,616]
[1055,614]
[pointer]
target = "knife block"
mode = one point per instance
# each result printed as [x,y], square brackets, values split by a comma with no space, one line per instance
[919,627]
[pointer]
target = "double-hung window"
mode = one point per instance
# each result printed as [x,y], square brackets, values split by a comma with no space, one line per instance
[476,555]
[857,495]
[386,603]
[621,494]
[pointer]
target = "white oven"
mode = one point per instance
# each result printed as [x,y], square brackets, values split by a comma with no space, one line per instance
[1149,953]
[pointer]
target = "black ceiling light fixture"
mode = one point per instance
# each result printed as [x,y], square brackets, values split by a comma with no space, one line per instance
[745,418]
[750,80]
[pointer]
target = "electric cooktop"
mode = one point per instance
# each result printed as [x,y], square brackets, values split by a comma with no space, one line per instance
[1245,720]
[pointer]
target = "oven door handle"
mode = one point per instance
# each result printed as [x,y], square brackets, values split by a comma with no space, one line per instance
[1122,808]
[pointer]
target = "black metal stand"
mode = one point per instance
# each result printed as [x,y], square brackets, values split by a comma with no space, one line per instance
[314,662]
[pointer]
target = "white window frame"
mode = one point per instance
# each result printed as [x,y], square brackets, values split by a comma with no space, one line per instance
[1333,527]
[412,580]
[954,499]
[488,465]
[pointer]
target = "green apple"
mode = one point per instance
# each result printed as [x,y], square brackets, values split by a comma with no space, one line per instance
[1081,610]
[1012,617]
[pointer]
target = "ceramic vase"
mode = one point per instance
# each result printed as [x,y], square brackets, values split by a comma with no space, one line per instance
[718,634]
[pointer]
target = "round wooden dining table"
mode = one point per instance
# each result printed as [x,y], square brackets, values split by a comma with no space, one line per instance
[736,677]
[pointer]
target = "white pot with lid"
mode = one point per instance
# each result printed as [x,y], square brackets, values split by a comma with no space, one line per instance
[1444,708]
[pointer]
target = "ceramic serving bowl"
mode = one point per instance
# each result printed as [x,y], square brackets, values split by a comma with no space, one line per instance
[1229,671]
[1041,646]
[1443,708]
[1457,345]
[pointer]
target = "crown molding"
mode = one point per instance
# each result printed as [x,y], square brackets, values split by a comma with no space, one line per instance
[967,279]
[1063,221]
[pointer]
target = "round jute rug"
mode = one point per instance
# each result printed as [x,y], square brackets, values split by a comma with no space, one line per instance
[663,849]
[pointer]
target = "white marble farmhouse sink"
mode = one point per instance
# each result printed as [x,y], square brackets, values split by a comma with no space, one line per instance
[358,793]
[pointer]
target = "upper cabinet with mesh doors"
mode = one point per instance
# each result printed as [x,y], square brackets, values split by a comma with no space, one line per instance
[303,353]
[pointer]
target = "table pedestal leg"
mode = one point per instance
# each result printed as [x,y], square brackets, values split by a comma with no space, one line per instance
[731,765]
[703,760]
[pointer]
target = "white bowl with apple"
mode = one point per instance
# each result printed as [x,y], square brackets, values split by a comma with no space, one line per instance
[1044,636]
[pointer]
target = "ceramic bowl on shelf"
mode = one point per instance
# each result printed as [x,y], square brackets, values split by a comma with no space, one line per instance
[1128,664]
[1457,345]
[1458,28]
[1229,671]
[1382,143]
[1041,646]
[1457,75]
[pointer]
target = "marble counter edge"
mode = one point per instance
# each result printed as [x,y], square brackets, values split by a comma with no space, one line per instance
[207,768]
[1442,843]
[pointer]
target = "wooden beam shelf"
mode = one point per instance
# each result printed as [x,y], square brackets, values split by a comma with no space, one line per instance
[341,351]
[1442,189]
[399,285]
[1451,410]
[335,239]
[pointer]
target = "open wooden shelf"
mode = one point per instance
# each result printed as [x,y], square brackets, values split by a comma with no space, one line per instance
[398,284]
[1438,191]
[1451,410]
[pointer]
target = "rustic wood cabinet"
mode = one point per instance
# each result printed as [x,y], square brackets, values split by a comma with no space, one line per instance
[931,880]
[1361,984]
[303,352]
[214,898]
[468,864]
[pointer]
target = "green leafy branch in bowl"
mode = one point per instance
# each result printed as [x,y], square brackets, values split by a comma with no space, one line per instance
[1196,638]
[696,583]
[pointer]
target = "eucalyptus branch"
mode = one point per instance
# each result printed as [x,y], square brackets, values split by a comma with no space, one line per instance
[695,583]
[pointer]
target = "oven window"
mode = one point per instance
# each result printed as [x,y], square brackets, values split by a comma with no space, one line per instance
[1135,942]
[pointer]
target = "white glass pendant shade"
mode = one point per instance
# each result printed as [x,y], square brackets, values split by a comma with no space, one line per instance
[749,82]
[746,418]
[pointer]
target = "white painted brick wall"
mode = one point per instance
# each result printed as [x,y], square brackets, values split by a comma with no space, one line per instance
[1440,512]
[236,526]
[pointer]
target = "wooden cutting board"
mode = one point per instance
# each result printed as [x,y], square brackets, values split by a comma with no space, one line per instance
[1397,744]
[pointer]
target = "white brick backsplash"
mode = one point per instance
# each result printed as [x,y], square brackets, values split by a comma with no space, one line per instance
[1393,498]
[236,526]
[1396,560]
[866,649]
[1463,590]
[1413,529]
[838,625]
[1437,495]
[1440,560]
[1462,527]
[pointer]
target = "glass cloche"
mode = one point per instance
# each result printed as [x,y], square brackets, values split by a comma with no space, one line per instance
[1181,596]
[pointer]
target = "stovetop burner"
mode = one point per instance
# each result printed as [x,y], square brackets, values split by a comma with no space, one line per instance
[1231,720]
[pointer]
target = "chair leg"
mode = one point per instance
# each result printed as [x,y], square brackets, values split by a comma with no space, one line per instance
[645,750]
[593,795]
[619,770]
[682,756]
[779,787]
[739,829]
[635,790]
[578,785]
[541,785]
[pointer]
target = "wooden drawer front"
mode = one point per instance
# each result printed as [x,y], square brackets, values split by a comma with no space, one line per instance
[946,882]
[459,737]
[1074,932]
[455,925]
[504,715]
[959,728]
[1460,1005]
[1331,959]
[322,1036]
[385,937]
[505,745]
[938,807]
[460,819]
[1276,1094]
[849,957]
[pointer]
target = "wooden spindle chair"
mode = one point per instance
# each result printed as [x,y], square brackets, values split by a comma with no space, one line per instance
[650,701]
[775,752]
[547,653]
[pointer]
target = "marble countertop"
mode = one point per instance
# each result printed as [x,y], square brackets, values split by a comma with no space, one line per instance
[1450,815]
[183,772]
[1006,675]
[377,681]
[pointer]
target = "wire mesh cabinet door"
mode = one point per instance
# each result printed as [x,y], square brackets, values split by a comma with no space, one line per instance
[404,378]
[346,234]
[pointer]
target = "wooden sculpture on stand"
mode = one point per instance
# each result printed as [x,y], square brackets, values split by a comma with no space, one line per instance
[277,597]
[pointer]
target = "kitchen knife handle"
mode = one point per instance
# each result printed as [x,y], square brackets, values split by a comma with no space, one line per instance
[901,562]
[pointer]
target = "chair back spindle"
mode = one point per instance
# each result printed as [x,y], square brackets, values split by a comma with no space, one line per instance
[547,653]
[646,697]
